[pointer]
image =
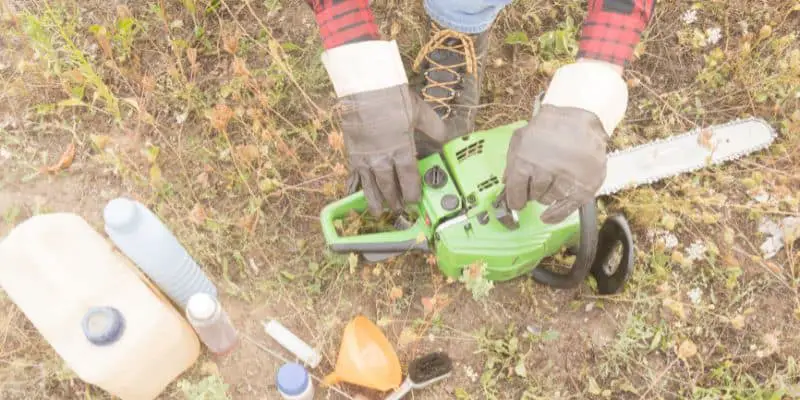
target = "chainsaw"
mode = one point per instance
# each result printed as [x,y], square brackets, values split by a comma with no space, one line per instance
[462,217]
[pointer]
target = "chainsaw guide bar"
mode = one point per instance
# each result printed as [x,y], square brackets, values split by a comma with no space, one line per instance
[694,150]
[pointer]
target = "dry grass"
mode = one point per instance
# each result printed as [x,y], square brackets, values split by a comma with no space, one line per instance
[216,114]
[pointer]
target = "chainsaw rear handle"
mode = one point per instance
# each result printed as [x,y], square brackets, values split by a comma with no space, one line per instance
[400,241]
[586,252]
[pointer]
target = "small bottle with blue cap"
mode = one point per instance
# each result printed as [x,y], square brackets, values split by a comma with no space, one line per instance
[294,382]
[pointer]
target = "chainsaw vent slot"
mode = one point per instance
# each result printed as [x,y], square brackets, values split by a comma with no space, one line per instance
[469,151]
[488,183]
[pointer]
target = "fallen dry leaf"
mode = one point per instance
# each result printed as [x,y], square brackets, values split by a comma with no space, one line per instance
[239,67]
[687,350]
[124,12]
[339,169]
[738,321]
[220,115]
[101,35]
[674,306]
[430,259]
[100,141]
[352,260]
[248,153]
[704,139]
[198,214]
[230,41]
[191,55]
[407,336]
[248,222]
[395,293]
[65,161]
[395,29]
[155,175]
[75,75]
[336,140]
[148,84]
[209,368]
[771,343]
[427,304]
[202,179]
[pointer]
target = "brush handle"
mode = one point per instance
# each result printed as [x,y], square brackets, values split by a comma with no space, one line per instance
[291,342]
[402,390]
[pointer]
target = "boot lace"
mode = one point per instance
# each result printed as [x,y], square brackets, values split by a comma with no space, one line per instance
[454,42]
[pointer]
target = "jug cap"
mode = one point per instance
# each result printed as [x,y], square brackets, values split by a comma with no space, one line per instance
[120,213]
[292,379]
[201,306]
[103,325]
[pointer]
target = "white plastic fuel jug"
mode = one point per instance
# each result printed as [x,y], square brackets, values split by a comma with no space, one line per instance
[107,321]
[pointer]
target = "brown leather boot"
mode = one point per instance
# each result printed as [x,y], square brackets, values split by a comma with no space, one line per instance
[452,65]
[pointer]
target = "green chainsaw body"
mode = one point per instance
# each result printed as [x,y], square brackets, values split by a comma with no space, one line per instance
[463,219]
[459,216]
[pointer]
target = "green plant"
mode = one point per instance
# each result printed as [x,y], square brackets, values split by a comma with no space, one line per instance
[561,42]
[474,278]
[53,36]
[209,388]
[505,359]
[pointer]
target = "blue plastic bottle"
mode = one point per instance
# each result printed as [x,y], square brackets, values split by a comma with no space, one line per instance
[142,237]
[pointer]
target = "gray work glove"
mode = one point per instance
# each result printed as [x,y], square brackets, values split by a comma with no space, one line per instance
[381,118]
[379,133]
[559,158]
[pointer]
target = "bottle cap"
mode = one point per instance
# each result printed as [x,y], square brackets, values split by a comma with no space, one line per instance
[201,306]
[120,213]
[292,379]
[103,325]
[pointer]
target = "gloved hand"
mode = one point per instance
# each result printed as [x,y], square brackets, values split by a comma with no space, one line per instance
[559,158]
[378,129]
[379,118]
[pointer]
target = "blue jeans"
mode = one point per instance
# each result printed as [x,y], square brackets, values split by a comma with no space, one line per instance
[465,16]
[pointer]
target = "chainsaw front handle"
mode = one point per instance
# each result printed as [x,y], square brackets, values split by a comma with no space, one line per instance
[615,230]
[413,238]
[586,252]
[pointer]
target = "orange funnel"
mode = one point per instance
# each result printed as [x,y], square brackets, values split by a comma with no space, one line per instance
[366,358]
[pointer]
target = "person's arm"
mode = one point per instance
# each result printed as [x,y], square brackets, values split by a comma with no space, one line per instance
[344,21]
[560,158]
[612,30]
[356,58]
[379,114]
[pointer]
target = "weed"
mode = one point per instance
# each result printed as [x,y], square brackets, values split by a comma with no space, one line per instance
[53,34]
[209,388]
[474,278]
[505,359]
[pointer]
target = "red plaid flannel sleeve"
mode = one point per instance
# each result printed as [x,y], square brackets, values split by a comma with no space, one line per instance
[613,28]
[344,21]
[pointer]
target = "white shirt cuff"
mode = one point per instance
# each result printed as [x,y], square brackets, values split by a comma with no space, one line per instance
[364,66]
[593,86]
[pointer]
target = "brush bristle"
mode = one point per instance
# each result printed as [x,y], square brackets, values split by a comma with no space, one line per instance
[429,367]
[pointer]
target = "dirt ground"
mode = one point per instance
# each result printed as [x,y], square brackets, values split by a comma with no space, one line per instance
[217,116]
